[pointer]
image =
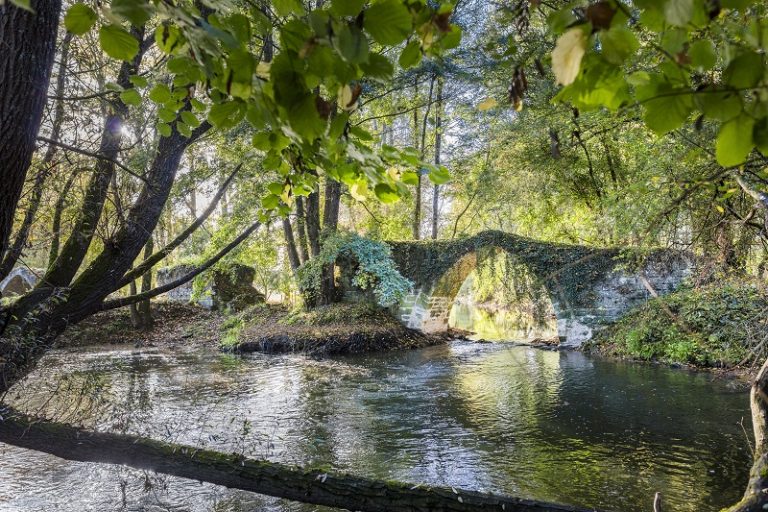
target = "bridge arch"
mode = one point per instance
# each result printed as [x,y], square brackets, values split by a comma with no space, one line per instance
[588,287]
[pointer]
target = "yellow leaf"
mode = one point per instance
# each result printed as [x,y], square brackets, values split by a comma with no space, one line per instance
[487,104]
[359,190]
[567,55]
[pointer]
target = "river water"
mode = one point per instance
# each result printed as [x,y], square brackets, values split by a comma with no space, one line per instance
[556,426]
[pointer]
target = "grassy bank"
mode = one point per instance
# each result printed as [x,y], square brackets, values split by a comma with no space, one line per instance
[719,325]
[334,329]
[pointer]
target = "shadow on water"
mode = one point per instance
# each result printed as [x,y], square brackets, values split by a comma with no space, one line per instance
[555,426]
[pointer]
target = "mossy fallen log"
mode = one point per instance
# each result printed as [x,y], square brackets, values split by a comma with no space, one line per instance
[237,472]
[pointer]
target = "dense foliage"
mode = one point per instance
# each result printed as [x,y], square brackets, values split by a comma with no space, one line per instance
[374,268]
[723,324]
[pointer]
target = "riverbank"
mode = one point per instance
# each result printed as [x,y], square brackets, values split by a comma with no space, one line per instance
[174,323]
[718,326]
[327,330]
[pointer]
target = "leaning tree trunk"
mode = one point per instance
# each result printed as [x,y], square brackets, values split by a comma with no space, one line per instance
[27,49]
[756,496]
[318,487]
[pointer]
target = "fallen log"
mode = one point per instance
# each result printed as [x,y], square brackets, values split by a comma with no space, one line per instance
[313,486]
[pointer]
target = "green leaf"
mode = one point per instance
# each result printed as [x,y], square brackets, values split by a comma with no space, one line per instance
[719,105]
[735,141]
[386,193]
[23,4]
[346,7]
[760,135]
[439,175]
[184,129]
[138,81]
[287,7]
[168,38]
[378,67]
[240,68]
[131,97]
[190,119]
[702,55]
[117,43]
[560,20]
[618,43]
[679,12]
[352,44]
[389,22]
[411,55]
[166,115]
[160,93]
[745,71]
[223,115]
[451,39]
[164,129]
[270,202]
[409,178]
[137,12]
[79,19]
[668,109]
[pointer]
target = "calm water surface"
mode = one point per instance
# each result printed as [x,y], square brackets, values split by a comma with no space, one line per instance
[554,426]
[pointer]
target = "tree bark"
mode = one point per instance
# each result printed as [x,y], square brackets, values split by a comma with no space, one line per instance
[58,212]
[290,245]
[313,222]
[756,496]
[71,256]
[27,43]
[301,227]
[438,148]
[237,472]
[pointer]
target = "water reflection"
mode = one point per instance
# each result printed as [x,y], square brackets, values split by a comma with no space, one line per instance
[547,425]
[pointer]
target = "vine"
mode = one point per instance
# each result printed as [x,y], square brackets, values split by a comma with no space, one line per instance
[375,269]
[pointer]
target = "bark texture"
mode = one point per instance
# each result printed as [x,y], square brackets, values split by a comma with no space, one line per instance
[27,48]
[270,478]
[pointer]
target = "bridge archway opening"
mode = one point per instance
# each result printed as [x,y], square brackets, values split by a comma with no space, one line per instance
[501,300]
[493,295]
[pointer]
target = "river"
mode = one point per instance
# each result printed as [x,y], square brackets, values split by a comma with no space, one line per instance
[555,426]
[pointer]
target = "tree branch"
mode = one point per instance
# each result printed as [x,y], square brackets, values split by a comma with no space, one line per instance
[93,155]
[154,292]
[151,261]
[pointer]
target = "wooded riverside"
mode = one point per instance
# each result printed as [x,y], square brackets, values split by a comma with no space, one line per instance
[384,255]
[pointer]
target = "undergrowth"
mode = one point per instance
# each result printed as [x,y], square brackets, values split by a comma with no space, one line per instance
[718,325]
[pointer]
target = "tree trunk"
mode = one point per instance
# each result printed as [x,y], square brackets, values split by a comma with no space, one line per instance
[39,316]
[416,226]
[27,43]
[301,227]
[144,307]
[290,245]
[422,151]
[756,496]
[318,487]
[67,263]
[313,222]
[58,211]
[438,148]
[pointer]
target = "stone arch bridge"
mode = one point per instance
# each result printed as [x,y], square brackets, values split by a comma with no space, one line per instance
[588,287]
